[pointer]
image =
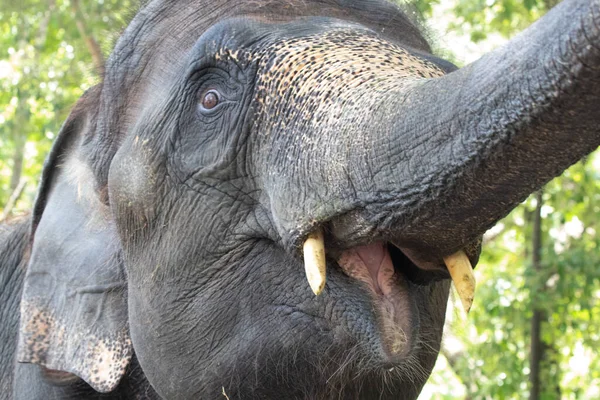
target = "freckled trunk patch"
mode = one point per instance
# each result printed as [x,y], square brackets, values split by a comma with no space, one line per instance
[307,79]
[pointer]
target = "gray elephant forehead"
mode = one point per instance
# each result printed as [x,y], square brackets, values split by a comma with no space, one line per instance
[317,73]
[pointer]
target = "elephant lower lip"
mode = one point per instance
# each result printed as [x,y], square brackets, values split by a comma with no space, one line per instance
[390,291]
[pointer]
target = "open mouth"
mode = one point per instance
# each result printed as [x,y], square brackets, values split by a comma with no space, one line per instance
[378,263]
[381,264]
[392,276]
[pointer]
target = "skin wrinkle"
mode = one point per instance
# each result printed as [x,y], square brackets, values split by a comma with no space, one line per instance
[236,125]
[334,71]
[13,240]
[574,51]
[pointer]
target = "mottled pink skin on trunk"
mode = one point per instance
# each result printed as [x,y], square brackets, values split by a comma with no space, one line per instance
[372,264]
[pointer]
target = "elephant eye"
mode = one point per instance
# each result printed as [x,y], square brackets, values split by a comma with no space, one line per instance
[210,99]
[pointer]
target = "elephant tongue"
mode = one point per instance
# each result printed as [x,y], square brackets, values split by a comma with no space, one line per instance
[371,264]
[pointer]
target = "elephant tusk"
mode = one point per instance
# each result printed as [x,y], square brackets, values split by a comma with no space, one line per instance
[314,261]
[461,272]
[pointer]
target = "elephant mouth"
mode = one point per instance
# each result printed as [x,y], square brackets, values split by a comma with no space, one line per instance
[395,273]
[392,280]
[380,263]
[374,257]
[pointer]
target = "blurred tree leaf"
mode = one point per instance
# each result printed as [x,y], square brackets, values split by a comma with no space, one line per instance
[45,65]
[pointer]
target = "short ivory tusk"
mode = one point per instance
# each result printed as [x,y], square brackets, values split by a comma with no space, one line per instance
[461,272]
[314,261]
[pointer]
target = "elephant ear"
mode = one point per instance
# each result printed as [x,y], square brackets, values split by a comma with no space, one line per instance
[74,302]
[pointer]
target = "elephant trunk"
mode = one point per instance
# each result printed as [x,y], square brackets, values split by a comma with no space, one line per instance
[486,136]
[374,140]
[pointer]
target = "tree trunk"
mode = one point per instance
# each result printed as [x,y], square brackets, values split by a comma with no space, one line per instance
[537,345]
[17,169]
[20,133]
[14,197]
[23,114]
[43,30]
[88,38]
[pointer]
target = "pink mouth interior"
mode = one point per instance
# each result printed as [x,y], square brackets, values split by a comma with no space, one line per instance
[371,264]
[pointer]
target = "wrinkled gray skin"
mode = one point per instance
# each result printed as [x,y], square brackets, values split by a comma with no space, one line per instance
[164,248]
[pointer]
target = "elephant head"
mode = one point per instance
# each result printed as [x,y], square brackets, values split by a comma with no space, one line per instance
[175,204]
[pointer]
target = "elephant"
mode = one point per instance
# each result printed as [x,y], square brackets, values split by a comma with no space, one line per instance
[260,199]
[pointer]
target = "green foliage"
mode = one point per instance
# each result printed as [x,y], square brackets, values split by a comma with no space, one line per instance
[44,67]
[479,18]
[506,17]
[567,290]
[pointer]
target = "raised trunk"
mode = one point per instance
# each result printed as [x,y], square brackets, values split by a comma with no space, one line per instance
[492,132]
[391,149]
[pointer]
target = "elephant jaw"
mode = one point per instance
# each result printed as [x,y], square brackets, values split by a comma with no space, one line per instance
[389,273]
[373,265]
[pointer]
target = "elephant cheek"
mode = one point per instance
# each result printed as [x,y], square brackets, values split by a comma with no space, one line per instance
[432,322]
[132,187]
[134,190]
[144,331]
